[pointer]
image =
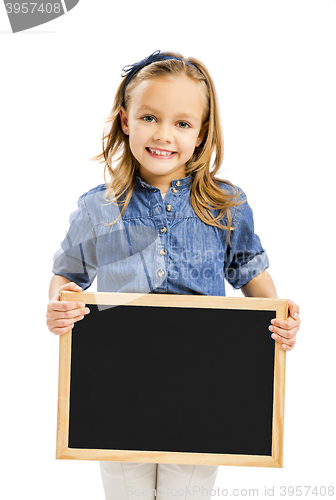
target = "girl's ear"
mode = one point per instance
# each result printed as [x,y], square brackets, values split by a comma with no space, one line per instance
[202,134]
[123,119]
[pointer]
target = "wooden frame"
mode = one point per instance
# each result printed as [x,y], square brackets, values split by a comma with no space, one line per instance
[280,306]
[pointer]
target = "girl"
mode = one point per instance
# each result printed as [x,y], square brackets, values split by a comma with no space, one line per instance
[162,223]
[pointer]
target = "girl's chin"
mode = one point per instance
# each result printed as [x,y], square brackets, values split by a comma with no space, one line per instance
[154,170]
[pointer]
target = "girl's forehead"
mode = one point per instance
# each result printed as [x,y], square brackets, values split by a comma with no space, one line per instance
[166,92]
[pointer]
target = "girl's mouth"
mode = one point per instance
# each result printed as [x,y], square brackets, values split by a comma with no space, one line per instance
[161,153]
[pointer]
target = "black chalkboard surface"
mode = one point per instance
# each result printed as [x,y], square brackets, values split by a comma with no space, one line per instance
[178,384]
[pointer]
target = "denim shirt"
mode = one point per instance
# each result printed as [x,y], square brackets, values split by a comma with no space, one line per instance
[158,246]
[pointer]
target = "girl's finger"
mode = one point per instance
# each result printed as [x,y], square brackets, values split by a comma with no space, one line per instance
[68,316]
[62,331]
[283,332]
[59,305]
[73,313]
[62,326]
[64,323]
[290,340]
[286,324]
[286,347]
[293,309]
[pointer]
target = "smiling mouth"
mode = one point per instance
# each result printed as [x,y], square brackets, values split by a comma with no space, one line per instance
[163,153]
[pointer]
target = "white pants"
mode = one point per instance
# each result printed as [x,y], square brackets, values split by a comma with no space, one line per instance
[132,481]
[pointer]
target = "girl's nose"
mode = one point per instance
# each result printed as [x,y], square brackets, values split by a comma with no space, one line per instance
[163,133]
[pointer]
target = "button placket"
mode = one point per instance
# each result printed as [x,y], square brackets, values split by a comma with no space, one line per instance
[161,272]
[162,225]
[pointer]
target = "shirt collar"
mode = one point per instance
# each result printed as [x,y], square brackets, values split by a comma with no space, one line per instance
[183,183]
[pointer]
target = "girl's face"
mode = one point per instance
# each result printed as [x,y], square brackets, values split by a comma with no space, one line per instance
[164,122]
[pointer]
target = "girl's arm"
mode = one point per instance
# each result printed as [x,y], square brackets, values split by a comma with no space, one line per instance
[260,286]
[283,331]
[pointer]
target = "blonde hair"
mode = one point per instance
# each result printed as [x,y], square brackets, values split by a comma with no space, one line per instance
[206,194]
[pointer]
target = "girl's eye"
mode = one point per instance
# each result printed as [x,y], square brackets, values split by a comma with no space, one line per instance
[148,118]
[183,125]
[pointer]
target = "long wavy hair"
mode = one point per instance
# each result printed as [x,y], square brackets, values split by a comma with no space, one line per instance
[121,167]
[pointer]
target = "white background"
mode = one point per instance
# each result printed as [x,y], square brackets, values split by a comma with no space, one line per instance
[273,63]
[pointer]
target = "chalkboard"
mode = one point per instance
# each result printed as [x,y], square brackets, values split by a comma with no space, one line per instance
[172,379]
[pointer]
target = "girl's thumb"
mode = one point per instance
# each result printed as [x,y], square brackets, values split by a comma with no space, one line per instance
[71,286]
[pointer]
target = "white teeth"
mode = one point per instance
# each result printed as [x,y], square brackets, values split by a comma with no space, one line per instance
[160,153]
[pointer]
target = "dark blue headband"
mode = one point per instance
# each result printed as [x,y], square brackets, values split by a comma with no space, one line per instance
[132,69]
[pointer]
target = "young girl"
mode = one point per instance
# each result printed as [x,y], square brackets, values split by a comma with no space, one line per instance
[162,223]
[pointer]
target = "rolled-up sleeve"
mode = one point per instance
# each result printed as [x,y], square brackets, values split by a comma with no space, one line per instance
[245,256]
[76,258]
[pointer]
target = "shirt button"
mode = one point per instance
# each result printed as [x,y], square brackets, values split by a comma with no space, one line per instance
[161,273]
[168,208]
[178,183]
[163,229]
[163,252]
[174,190]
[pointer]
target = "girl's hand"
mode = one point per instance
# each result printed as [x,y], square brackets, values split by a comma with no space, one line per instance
[285,330]
[61,315]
